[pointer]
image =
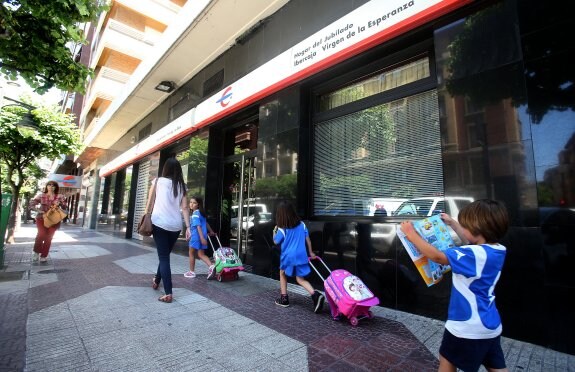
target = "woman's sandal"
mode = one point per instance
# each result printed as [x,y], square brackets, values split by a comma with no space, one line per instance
[165,298]
[155,285]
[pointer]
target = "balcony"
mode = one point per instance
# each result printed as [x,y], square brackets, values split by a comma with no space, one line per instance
[88,128]
[125,39]
[162,11]
[106,85]
[206,27]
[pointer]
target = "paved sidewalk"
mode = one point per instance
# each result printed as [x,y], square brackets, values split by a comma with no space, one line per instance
[91,308]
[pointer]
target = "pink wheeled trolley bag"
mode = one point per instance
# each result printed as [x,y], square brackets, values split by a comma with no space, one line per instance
[346,295]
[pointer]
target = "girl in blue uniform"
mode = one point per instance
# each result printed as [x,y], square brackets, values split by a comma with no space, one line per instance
[473,327]
[293,236]
[199,236]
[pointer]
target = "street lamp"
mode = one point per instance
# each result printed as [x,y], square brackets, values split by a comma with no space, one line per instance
[27,120]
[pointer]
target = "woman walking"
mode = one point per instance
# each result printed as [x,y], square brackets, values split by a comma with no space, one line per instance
[170,199]
[48,197]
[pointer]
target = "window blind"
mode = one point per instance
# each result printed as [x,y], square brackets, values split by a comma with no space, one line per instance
[376,158]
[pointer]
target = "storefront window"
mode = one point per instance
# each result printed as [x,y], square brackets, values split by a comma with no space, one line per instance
[379,157]
[114,201]
[123,215]
[105,202]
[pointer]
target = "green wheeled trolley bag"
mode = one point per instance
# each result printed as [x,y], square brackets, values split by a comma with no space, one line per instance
[227,263]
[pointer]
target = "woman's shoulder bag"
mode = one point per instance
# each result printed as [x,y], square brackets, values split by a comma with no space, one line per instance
[54,216]
[145,225]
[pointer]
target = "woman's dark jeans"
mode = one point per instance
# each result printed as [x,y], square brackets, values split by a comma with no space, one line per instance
[165,241]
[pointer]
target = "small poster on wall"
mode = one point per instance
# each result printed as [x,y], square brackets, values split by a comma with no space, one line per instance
[435,232]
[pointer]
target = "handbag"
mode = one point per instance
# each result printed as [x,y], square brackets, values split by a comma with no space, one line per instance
[145,225]
[54,216]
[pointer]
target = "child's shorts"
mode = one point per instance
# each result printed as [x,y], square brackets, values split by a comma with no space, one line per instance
[298,270]
[197,244]
[469,354]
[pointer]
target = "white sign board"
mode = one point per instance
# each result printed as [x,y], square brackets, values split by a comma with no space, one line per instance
[367,26]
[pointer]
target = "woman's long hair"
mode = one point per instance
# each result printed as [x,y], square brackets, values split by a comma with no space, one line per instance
[173,170]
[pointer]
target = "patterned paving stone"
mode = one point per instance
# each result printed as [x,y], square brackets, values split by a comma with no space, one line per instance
[94,295]
[128,328]
[13,315]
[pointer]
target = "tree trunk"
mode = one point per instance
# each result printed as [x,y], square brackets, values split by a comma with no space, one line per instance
[12,217]
[18,221]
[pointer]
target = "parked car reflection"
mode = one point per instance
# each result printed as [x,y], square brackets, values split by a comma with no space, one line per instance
[428,206]
[250,222]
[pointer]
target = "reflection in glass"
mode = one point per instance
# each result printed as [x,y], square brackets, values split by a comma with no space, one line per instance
[392,78]
[376,156]
[482,131]
[506,88]
[193,162]
[483,43]
[105,202]
[241,139]
[554,147]
[429,206]
[276,166]
[114,202]
[123,214]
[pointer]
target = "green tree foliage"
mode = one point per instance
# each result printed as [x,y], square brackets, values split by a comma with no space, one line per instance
[284,187]
[378,131]
[30,185]
[36,38]
[194,160]
[485,57]
[20,150]
[486,42]
[370,136]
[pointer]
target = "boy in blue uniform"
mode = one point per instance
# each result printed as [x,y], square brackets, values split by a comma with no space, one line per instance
[293,236]
[473,327]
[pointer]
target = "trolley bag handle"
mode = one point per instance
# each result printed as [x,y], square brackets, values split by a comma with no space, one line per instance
[310,259]
[212,244]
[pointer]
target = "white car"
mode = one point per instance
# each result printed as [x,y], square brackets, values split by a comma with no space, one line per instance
[254,211]
[428,206]
[384,206]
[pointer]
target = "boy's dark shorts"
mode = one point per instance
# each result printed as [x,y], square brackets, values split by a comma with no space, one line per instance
[468,354]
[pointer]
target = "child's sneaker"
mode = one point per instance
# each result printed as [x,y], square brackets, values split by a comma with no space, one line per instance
[36,257]
[190,274]
[318,299]
[283,301]
[211,272]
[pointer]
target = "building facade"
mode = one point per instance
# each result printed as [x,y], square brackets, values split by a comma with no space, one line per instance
[363,113]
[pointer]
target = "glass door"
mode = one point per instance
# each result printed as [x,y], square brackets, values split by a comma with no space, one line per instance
[237,223]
